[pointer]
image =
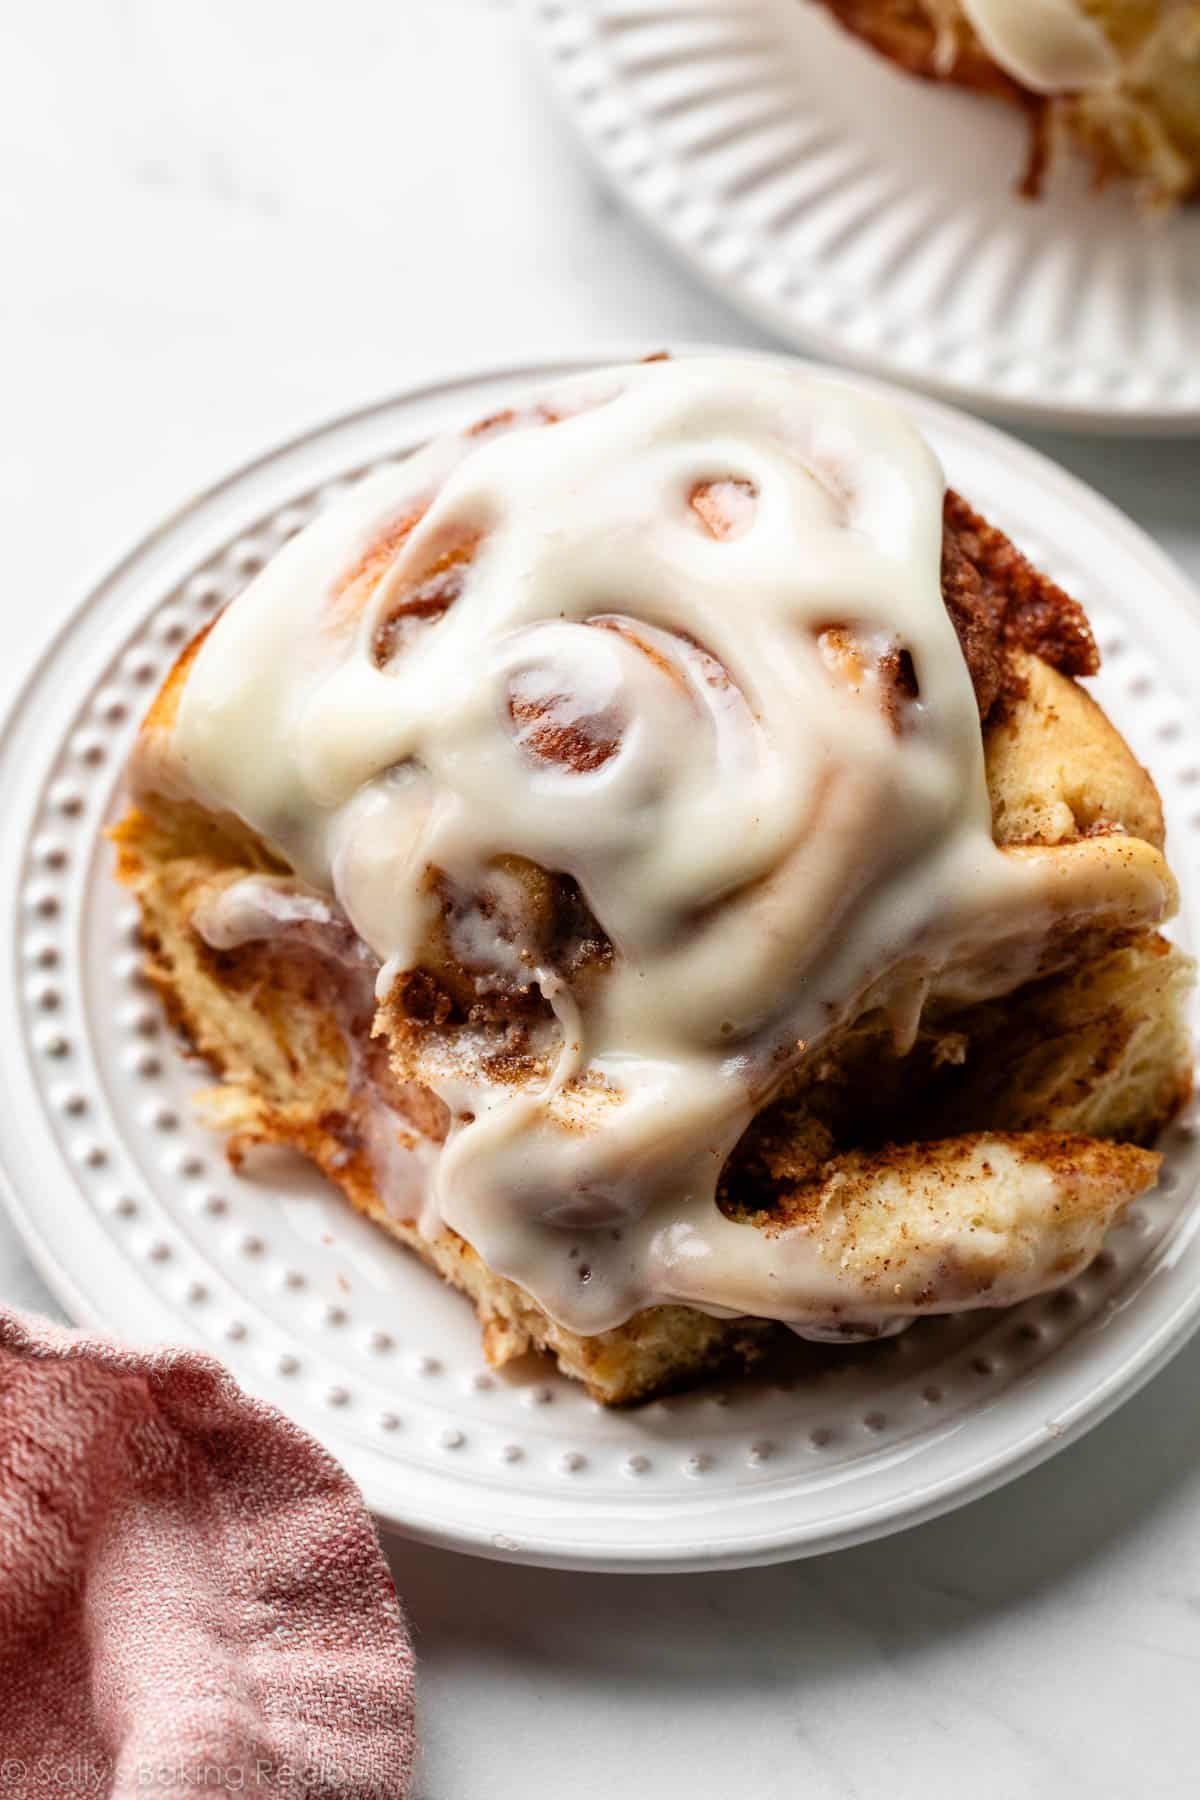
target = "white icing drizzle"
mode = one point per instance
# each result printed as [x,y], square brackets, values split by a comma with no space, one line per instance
[1049,46]
[261,906]
[767,850]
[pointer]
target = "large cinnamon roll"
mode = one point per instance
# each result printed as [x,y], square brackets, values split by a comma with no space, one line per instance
[652,851]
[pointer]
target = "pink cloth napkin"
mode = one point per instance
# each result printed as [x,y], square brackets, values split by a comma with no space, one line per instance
[192,1596]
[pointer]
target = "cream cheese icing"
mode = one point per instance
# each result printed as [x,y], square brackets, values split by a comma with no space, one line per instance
[772,836]
[1049,46]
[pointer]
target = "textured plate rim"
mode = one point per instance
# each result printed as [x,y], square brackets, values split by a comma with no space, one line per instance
[814,341]
[557,1544]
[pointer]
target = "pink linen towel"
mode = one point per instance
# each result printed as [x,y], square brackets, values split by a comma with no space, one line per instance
[192,1596]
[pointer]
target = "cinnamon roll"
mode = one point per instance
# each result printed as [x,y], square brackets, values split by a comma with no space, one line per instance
[1119,79]
[652,851]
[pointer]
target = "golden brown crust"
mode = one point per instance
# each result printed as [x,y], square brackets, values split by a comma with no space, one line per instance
[165,705]
[1058,769]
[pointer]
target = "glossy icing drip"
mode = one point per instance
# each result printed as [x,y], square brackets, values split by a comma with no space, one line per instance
[1049,46]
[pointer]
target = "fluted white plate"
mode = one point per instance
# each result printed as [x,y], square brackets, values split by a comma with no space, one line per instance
[137,1223]
[873,218]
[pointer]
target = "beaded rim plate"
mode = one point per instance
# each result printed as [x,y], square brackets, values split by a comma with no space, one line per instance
[136,1222]
[873,219]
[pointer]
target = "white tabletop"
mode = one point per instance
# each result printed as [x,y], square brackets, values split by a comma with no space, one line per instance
[223,222]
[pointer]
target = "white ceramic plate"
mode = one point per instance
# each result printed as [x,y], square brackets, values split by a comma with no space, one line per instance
[138,1225]
[872,218]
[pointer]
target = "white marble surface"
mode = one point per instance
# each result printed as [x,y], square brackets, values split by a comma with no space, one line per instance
[221,222]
